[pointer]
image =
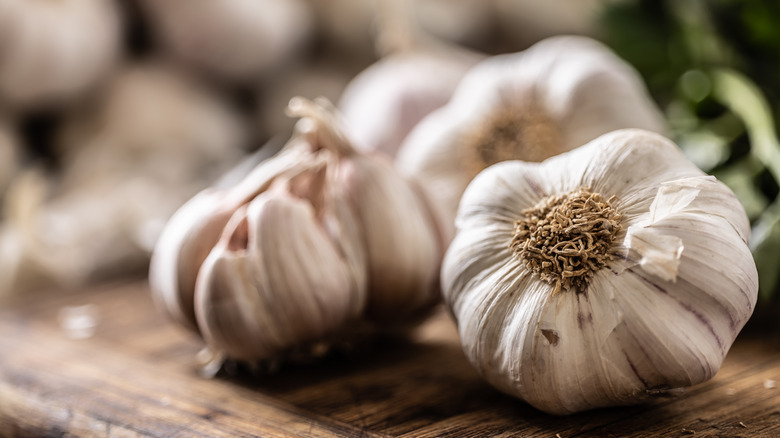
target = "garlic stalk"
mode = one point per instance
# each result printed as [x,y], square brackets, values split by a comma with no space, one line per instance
[315,239]
[238,40]
[555,96]
[55,50]
[600,276]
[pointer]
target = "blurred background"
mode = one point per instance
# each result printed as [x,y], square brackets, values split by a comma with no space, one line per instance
[113,113]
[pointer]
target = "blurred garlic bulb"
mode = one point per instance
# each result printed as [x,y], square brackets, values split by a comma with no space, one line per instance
[384,102]
[314,239]
[551,98]
[236,39]
[415,75]
[600,276]
[155,140]
[464,22]
[525,22]
[52,51]
[345,29]
[9,157]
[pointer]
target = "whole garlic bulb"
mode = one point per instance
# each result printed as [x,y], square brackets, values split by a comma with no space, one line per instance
[599,276]
[313,240]
[553,97]
[55,50]
[236,39]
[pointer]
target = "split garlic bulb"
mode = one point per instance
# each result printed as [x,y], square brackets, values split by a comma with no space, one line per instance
[235,39]
[553,97]
[599,276]
[314,240]
[55,50]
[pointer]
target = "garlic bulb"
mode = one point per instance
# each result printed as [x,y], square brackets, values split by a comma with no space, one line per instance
[599,276]
[9,157]
[313,240]
[465,22]
[235,39]
[385,101]
[555,96]
[55,50]
[525,22]
[155,139]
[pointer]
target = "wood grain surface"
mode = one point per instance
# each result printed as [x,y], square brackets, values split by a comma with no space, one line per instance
[137,375]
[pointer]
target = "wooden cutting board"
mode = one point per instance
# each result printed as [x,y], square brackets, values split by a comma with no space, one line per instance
[117,368]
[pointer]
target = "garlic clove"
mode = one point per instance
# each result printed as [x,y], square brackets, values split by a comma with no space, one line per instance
[276,263]
[660,312]
[193,231]
[401,240]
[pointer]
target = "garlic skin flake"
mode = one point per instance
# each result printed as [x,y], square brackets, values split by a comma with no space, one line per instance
[676,286]
[557,95]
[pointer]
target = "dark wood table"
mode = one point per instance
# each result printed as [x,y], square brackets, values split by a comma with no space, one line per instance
[137,375]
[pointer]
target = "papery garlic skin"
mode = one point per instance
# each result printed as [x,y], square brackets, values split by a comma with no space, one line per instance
[53,51]
[563,92]
[239,40]
[662,314]
[385,101]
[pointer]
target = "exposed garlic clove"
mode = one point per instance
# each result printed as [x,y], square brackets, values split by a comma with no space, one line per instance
[277,263]
[401,240]
[555,96]
[193,231]
[238,40]
[56,51]
[667,284]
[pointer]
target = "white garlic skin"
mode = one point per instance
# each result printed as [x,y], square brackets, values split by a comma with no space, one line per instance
[238,40]
[582,86]
[55,51]
[385,101]
[661,315]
